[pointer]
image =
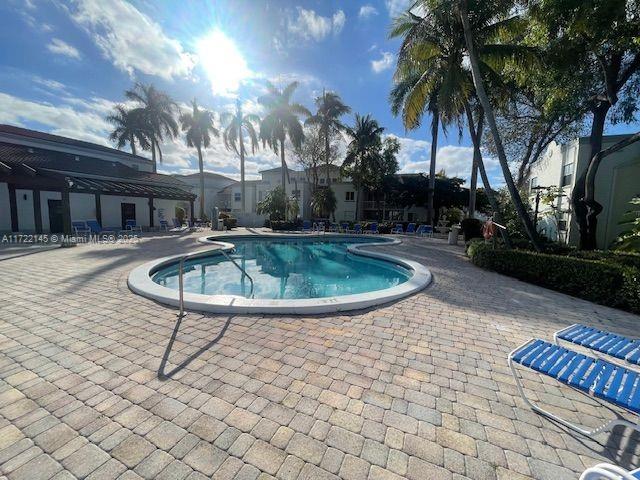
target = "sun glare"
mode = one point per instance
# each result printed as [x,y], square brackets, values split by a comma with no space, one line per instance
[221,61]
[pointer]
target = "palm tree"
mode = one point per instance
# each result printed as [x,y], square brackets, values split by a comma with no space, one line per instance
[281,121]
[128,128]
[237,125]
[157,112]
[327,118]
[198,125]
[364,146]
[491,120]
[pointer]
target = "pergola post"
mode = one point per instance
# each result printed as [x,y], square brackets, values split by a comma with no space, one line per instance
[193,218]
[151,211]
[13,206]
[37,210]
[66,217]
[98,209]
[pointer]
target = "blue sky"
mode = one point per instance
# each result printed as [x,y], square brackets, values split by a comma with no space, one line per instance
[65,64]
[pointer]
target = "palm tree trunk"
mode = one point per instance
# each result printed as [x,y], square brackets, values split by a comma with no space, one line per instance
[133,144]
[473,183]
[491,120]
[326,154]
[432,168]
[242,184]
[201,166]
[476,138]
[284,168]
[153,155]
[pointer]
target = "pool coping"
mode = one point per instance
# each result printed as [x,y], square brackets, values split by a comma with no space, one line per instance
[140,282]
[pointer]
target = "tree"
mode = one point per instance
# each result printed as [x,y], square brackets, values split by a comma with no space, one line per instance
[198,126]
[277,205]
[237,126]
[597,42]
[369,161]
[311,154]
[323,202]
[281,121]
[128,128]
[157,113]
[488,111]
[327,118]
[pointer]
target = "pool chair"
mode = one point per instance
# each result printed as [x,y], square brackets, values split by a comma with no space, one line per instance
[164,225]
[131,225]
[397,229]
[606,471]
[344,227]
[424,230]
[306,226]
[373,228]
[621,348]
[80,228]
[411,228]
[598,378]
[357,228]
[334,228]
[96,228]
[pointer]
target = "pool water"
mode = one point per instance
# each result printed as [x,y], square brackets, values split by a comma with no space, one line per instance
[287,268]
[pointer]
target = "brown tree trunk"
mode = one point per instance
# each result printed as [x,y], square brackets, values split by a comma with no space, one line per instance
[432,168]
[491,120]
[242,181]
[327,150]
[587,239]
[201,166]
[133,145]
[284,168]
[473,183]
[153,155]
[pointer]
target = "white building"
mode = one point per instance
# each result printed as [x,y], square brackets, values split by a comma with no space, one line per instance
[617,182]
[48,181]
[213,185]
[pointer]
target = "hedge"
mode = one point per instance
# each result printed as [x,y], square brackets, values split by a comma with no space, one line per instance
[604,282]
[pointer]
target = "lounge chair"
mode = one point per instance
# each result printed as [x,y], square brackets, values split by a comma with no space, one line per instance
[334,228]
[344,227]
[606,471]
[306,226]
[164,225]
[601,341]
[357,228]
[80,227]
[424,230]
[96,228]
[131,225]
[373,228]
[397,229]
[596,377]
[411,228]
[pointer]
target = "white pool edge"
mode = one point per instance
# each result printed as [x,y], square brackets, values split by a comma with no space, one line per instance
[140,282]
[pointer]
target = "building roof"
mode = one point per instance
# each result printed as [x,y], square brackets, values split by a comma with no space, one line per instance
[206,174]
[71,142]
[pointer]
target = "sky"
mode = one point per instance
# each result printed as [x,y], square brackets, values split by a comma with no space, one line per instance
[64,65]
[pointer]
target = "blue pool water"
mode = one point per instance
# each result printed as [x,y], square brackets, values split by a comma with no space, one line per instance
[287,268]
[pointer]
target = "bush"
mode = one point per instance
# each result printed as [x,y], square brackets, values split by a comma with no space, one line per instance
[280,225]
[619,258]
[607,283]
[471,228]
[228,221]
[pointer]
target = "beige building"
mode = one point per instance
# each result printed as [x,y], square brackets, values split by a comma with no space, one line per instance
[617,182]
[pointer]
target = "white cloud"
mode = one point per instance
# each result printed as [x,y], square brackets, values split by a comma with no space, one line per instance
[367,11]
[60,47]
[130,39]
[397,7]
[310,26]
[383,63]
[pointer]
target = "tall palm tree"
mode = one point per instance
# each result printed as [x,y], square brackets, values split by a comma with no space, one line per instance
[128,128]
[327,117]
[237,125]
[157,111]
[281,121]
[198,126]
[483,98]
[365,144]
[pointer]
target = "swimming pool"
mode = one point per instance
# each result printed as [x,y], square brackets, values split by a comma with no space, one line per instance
[285,273]
[287,268]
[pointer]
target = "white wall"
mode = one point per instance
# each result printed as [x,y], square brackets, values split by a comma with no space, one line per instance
[164,210]
[345,210]
[83,206]
[5,210]
[24,204]
[112,214]
[44,207]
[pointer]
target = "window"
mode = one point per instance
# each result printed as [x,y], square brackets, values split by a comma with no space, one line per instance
[533,183]
[350,196]
[334,180]
[296,193]
[567,174]
[322,181]
[237,196]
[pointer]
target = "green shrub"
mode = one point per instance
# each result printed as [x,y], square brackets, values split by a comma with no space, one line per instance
[471,228]
[620,258]
[228,221]
[607,283]
[280,225]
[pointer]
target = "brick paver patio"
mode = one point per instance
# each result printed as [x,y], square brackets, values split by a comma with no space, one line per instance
[416,389]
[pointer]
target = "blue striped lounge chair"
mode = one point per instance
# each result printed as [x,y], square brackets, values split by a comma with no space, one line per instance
[96,228]
[411,228]
[357,228]
[373,228]
[306,226]
[131,225]
[344,227]
[80,227]
[607,381]
[601,342]
[398,228]
[606,471]
[424,230]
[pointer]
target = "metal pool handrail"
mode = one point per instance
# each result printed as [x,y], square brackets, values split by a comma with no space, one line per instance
[198,254]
